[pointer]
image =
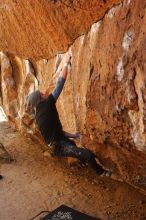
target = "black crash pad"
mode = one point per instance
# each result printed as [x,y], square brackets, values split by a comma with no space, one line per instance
[66,213]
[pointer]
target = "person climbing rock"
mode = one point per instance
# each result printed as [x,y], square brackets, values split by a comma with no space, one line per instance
[49,124]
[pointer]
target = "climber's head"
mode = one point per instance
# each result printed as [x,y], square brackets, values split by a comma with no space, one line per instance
[33,99]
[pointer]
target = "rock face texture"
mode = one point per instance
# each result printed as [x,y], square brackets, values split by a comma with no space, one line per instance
[104,96]
[39,28]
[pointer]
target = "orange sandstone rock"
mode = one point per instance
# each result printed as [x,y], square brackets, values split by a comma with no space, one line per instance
[40,28]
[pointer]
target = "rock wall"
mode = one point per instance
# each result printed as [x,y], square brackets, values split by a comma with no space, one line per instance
[40,28]
[104,96]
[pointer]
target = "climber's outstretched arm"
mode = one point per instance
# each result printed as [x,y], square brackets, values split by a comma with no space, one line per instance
[62,77]
[58,88]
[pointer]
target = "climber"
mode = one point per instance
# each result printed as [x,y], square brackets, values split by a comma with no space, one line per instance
[49,124]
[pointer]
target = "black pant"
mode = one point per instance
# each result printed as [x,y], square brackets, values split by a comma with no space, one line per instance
[67,148]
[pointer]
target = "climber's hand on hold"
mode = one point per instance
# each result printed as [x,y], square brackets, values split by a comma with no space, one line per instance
[77,135]
[67,59]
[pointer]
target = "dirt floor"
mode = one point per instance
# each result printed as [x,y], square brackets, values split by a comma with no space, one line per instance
[34,182]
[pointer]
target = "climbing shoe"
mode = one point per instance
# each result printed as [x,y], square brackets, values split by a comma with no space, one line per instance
[107,173]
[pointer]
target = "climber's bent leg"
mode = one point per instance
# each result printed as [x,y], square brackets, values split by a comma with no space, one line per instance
[68,148]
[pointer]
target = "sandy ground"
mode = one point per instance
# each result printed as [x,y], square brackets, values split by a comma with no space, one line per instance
[34,182]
